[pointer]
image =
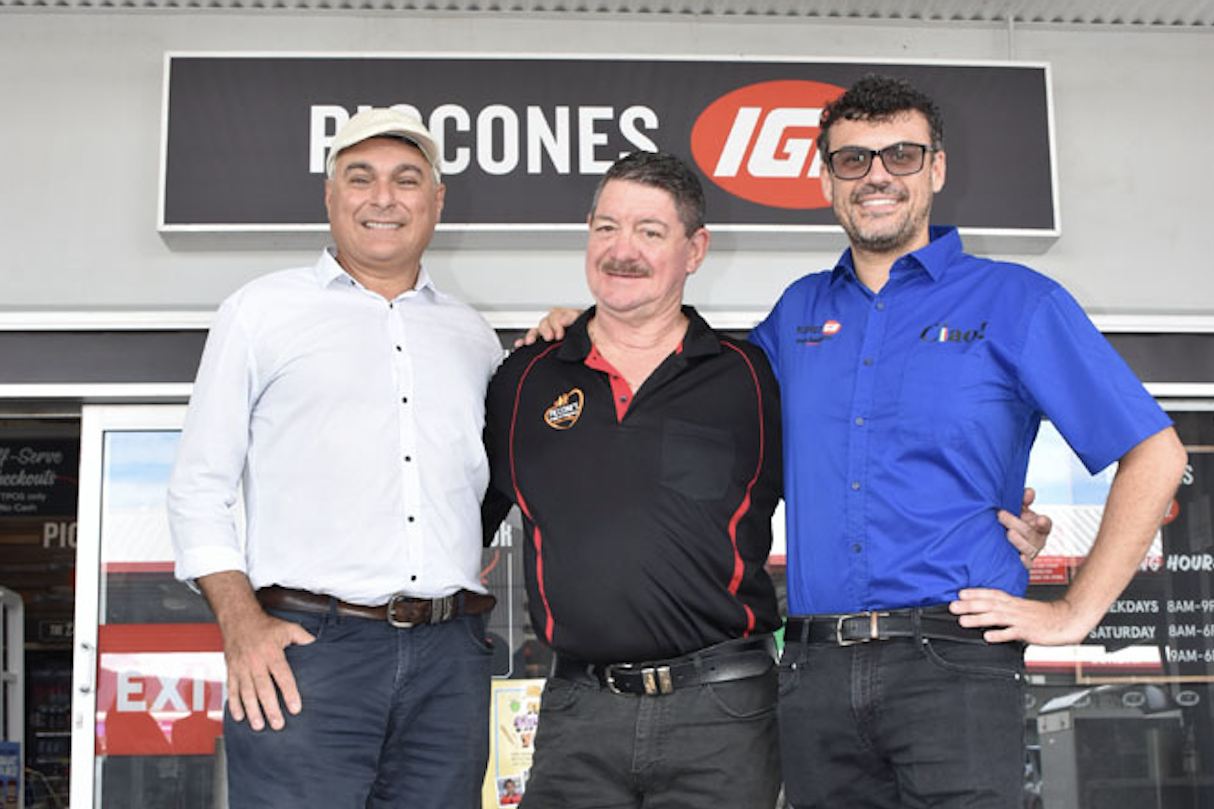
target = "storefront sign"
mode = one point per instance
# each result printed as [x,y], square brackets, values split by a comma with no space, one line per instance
[38,477]
[525,139]
[160,689]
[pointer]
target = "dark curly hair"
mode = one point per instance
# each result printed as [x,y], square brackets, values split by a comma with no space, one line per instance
[879,98]
[667,172]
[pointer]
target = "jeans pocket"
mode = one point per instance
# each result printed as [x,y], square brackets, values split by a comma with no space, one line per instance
[474,627]
[559,695]
[792,661]
[998,661]
[314,623]
[750,698]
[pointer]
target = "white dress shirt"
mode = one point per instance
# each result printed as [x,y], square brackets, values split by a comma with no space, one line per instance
[355,425]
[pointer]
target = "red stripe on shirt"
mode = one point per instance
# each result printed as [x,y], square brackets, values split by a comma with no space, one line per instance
[536,538]
[743,507]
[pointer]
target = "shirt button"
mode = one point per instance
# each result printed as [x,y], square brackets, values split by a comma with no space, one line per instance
[413,578]
[857,547]
[868,360]
[410,518]
[880,305]
[398,348]
[408,458]
[623,398]
[855,485]
[859,421]
[404,400]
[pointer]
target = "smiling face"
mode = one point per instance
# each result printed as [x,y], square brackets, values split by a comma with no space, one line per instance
[383,204]
[639,255]
[881,213]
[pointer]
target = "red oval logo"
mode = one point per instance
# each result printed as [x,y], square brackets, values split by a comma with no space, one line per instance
[757,142]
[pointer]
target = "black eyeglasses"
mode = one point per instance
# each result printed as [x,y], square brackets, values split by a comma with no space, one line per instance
[900,159]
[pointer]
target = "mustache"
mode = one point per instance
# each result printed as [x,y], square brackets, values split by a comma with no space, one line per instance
[618,267]
[879,188]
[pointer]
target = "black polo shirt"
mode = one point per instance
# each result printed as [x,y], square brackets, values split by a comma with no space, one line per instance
[646,533]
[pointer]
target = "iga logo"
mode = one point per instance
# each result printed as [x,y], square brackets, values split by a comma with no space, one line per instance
[757,142]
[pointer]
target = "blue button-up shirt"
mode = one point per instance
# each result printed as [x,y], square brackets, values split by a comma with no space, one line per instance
[909,415]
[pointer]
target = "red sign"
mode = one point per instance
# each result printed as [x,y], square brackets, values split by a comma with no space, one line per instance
[160,689]
[757,142]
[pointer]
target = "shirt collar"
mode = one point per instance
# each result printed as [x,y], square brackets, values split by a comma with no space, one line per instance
[328,271]
[700,339]
[935,257]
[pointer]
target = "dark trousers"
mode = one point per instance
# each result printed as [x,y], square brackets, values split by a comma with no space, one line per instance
[703,746]
[902,724]
[391,718]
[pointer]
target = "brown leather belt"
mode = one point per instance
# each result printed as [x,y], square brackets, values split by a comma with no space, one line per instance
[849,629]
[401,610]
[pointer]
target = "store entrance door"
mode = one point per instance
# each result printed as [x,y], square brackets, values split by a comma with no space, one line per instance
[147,695]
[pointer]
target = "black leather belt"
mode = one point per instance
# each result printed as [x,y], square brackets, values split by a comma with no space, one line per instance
[732,660]
[848,629]
[400,611]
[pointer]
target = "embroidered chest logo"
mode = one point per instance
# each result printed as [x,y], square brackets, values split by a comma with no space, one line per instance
[941,333]
[816,335]
[565,411]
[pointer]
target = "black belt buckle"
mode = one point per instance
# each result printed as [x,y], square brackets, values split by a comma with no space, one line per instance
[874,628]
[655,679]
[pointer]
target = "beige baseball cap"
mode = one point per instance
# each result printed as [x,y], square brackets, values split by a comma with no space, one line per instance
[385,121]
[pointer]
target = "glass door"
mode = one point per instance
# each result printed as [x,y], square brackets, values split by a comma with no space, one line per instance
[148,674]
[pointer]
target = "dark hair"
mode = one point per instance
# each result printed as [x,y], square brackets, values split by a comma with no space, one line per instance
[879,98]
[667,172]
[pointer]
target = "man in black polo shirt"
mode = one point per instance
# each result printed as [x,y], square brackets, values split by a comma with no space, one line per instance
[643,450]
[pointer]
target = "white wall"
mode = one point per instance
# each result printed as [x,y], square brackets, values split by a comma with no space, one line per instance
[80,105]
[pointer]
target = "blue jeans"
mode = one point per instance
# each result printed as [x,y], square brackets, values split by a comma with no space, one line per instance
[902,724]
[704,746]
[391,718]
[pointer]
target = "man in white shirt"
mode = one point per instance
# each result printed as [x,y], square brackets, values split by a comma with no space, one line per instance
[348,398]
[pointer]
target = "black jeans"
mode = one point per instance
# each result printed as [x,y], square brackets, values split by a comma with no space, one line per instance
[704,746]
[902,724]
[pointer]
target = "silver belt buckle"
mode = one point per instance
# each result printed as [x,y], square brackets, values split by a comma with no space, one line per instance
[610,677]
[391,612]
[873,629]
[655,679]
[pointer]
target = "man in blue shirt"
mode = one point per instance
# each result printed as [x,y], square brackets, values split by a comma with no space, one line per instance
[913,378]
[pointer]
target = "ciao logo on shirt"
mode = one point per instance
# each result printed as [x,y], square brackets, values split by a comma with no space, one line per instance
[565,411]
[941,333]
[757,142]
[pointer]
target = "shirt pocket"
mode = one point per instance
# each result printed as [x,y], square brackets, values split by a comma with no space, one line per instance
[939,400]
[697,460]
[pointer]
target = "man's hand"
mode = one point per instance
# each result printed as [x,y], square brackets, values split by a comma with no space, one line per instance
[1047,623]
[1146,479]
[1028,532]
[253,644]
[552,327]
